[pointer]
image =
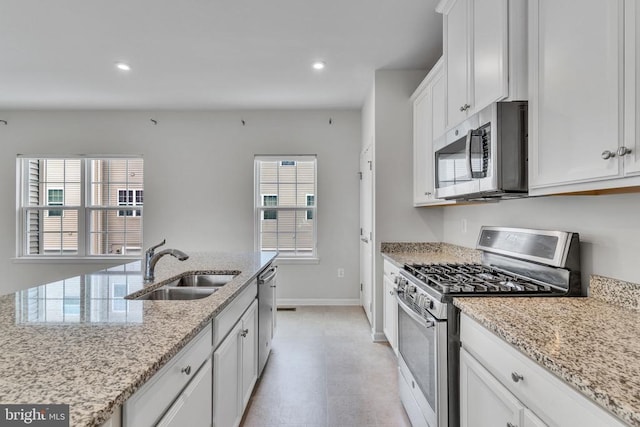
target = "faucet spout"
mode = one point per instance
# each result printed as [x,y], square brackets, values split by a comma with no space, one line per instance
[152,259]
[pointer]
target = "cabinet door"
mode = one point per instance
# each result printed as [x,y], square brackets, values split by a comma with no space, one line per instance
[390,313]
[529,419]
[484,402]
[249,340]
[456,40]
[438,109]
[423,188]
[226,380]
[490,42]
[576,90]
[193,406]
[631,160]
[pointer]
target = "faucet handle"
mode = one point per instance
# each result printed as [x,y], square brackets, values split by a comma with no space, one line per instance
[153,248]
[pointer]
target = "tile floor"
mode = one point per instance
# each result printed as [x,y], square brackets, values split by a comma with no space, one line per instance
[324,371]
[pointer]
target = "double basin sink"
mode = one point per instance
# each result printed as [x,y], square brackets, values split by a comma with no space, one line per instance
[189,287]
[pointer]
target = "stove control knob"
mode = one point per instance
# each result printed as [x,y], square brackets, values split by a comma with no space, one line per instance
[411,289]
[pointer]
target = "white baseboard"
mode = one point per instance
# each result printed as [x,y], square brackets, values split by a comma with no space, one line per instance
[378,337]
[288,302]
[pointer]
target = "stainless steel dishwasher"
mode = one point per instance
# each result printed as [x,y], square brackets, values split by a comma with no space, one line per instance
[266,313]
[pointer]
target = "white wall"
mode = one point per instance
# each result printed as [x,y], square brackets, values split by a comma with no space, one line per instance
[199,182]
[609,227]
[395,218]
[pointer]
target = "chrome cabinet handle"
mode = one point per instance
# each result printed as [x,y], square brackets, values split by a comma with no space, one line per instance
[516,377]
[427,193]
[511,425]
[623,151]
[244,333]
[606,155]
[465,107]
[187,370]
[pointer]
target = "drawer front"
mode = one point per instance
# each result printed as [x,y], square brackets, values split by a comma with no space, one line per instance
[390,270]
[553,400]
[146,405]
[224,321]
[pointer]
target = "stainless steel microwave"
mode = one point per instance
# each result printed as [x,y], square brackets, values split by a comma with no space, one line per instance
[485,156]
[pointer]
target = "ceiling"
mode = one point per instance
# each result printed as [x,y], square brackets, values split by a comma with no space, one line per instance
[207,54]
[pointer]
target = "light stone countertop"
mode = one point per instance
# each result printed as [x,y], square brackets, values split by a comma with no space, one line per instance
[78,342]
[591,343]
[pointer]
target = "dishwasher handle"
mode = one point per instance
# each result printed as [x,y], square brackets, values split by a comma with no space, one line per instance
[268,276]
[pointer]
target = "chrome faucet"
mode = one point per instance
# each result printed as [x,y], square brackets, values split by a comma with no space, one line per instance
[151,259]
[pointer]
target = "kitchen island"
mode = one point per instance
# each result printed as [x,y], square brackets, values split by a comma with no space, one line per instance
[79,342]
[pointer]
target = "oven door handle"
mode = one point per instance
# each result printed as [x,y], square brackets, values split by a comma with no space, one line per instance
[421,320]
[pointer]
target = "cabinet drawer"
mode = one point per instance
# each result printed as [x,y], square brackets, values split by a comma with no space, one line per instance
[390,270]
[553,400]
[224,321]
[147,404]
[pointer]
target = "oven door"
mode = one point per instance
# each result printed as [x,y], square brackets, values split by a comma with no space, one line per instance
[422,352]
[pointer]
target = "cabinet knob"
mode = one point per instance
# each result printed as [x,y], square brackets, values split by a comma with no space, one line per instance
[623,151]
[187,370]
[391,293]
[516,377]
[606,154]
[427,193]
[244,333]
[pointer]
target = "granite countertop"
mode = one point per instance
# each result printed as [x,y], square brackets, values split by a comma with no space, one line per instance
[592,343]
[78,342]
[427,253]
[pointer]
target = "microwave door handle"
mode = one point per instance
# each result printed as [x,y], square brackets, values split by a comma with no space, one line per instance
[471,135]
[468,153]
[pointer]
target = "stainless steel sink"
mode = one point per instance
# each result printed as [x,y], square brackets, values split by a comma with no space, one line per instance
[177,293]
[203,280]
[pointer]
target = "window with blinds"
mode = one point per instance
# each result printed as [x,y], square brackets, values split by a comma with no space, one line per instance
[286,205]
[88,195]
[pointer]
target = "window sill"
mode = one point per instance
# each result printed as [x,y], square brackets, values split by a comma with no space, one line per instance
[73,260]
[284,260]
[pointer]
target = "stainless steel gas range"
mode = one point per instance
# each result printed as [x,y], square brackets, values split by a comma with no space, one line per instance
[515,262]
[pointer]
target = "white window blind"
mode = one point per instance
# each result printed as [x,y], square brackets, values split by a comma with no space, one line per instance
[88,195]
[285,205]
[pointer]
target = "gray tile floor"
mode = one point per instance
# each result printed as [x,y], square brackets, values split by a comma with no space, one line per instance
[325,371]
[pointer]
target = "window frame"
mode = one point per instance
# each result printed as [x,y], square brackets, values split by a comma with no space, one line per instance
[84,210]
[259,208]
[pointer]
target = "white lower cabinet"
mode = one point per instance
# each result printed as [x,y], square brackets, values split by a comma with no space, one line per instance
[176,381]
[484,402]
[235,370]
[500,386]
[390,305]
[193,407]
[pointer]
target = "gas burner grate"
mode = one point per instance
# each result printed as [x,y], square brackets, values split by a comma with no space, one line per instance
[472,278]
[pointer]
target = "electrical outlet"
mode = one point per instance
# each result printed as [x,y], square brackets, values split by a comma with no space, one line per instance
[464,225]
[340,273]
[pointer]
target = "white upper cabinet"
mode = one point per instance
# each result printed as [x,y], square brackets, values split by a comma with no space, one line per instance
[428,124]
[583,109]
[631,161]
[484,54]
[456,54]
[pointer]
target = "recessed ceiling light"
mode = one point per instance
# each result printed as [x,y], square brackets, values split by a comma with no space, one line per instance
[122,66]
[319,65]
